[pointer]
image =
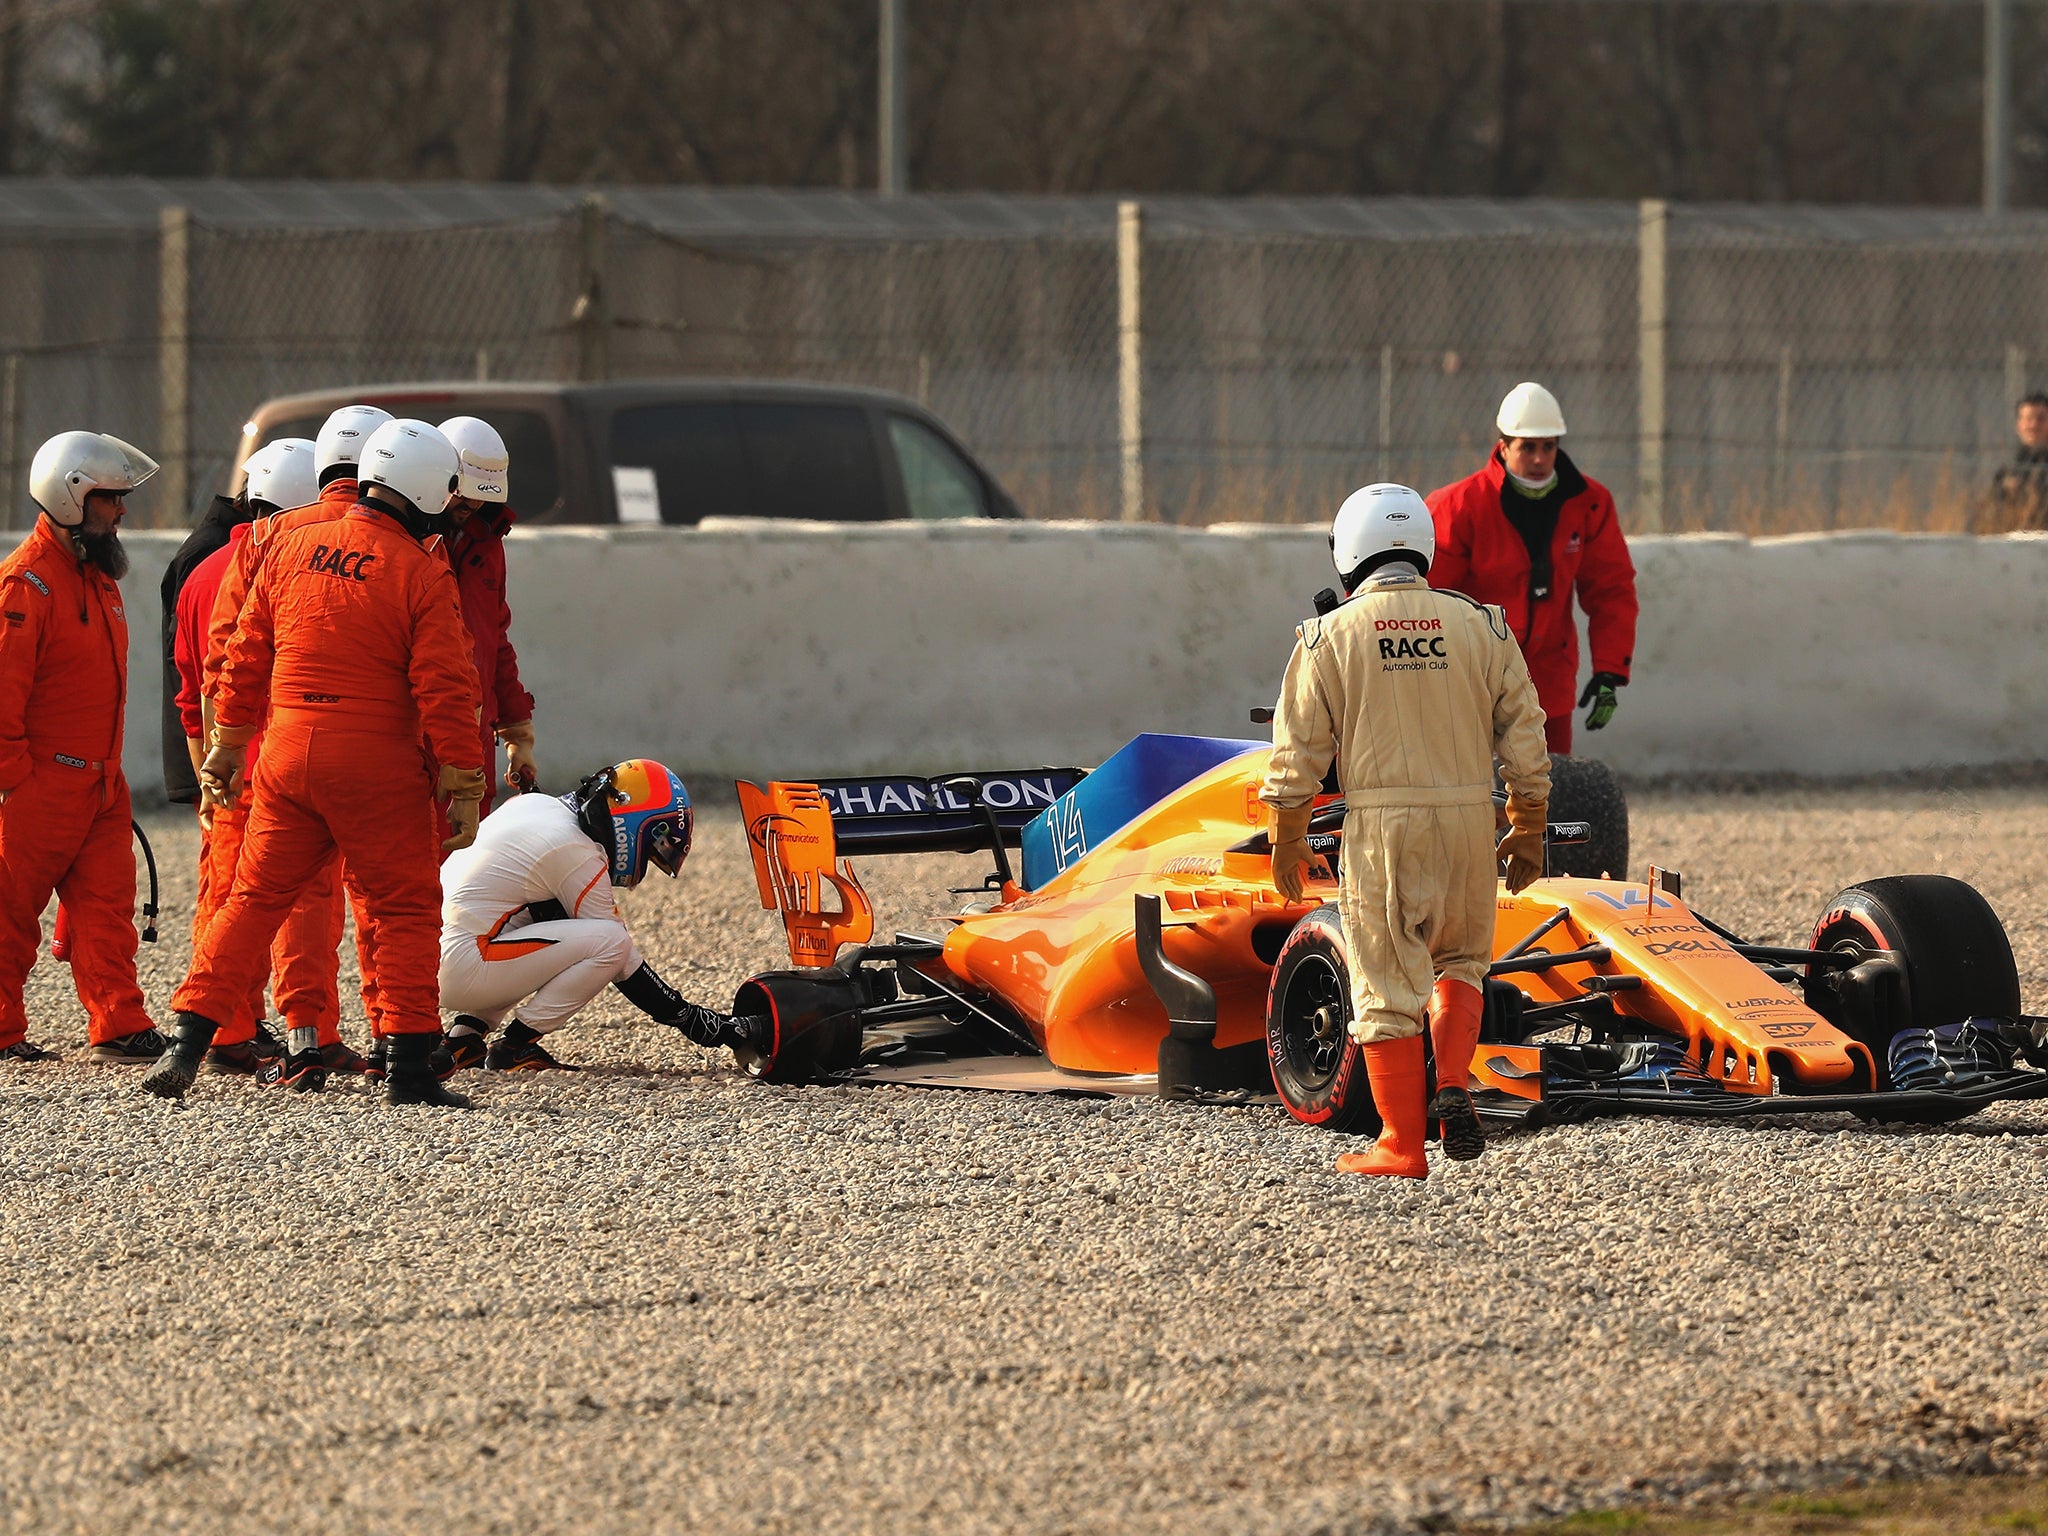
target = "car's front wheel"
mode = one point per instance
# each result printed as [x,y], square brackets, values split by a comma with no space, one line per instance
[1955,959]
[1318,1069]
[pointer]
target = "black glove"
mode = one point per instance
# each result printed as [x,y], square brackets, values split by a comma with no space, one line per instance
[709,1028]
[1600,694]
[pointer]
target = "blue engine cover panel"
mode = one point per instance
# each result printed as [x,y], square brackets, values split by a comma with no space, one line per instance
[1142,772]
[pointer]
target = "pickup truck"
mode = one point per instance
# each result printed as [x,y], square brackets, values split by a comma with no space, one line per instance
[681,450]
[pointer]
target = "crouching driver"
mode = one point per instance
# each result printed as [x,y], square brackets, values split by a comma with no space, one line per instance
[1414,692]
[529,928]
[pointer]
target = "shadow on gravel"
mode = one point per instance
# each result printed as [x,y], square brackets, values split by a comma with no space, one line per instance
[1811,1125]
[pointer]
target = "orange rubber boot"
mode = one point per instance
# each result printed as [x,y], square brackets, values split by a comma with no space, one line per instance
[1454,1012]
[1395,1072]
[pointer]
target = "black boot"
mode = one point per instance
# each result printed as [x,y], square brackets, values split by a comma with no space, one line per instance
[178,1067]
[410,1078]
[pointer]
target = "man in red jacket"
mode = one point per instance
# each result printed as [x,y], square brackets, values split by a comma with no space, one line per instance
[64,812]
[477,550]
[1527,533]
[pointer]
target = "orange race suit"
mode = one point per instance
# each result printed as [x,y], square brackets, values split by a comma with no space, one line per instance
[353,640]
[308,939]
[302,958]
[65,825]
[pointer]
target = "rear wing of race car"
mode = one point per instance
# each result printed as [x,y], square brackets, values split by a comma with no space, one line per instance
[797,834]
[949,814]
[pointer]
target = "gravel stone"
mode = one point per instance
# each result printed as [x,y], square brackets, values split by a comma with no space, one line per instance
[654,1296]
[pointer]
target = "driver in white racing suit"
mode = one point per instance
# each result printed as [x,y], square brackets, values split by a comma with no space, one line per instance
[530,931]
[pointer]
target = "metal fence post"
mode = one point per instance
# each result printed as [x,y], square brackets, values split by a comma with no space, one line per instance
[11,492]
[892,151]
[592,314]
[1386,413]
[174,364]
[1781,478]
[1130,230]
[1997,104]
[2015,375]
[1653,317]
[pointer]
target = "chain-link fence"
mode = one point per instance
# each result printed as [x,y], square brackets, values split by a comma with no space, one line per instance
[1749,368]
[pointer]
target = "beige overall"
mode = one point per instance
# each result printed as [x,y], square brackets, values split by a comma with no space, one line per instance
[1415,693]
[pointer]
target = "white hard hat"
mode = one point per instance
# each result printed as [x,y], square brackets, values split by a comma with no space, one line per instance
[281,474]
[413,459]
[72,465]
[483,455]
[1378,521]
[1530,410]
[342,437]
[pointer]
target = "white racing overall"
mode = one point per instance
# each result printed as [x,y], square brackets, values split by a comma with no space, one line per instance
[494,956]
[1415,693]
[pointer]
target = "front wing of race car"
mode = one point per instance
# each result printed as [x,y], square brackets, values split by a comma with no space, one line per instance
[1558,1084]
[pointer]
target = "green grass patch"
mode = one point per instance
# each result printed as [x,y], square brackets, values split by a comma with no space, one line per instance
[1829,1508]
[2020,1520]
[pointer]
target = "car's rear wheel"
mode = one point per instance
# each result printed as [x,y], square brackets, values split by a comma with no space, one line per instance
[1585,789]
[1318,1069]
[1957,960]
[814,1023]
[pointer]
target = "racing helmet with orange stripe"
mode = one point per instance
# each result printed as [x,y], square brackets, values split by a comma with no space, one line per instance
[639,813]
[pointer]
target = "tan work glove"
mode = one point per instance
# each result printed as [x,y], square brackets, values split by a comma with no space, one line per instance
[220,771]
[463,790]
[520,770]
[1522,848]
[1287,830]
[196,750]
[197,747]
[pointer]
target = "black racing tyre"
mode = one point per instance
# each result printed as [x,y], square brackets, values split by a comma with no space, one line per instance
[1318,1069]
[1585,789]
[814,1023]
[1958,961]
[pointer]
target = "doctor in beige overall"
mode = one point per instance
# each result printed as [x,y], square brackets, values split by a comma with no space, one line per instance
[1415,693]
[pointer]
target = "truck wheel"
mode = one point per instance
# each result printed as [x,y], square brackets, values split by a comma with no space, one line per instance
[1957,959]
[1318,1069]
[1585,789]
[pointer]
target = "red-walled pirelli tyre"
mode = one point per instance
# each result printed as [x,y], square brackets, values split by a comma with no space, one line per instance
[1958,961]
[1318,1068]
[815,1024]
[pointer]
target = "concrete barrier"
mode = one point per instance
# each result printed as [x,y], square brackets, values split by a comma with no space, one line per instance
[782,649]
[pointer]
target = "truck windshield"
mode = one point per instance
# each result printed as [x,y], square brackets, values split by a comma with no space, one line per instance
[937,482]
[747,458]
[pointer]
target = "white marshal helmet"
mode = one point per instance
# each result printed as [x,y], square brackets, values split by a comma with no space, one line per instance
[1379,523]
[484,460]
[281,474]
[1530,410]
[72,465]
[413,459]
[343,436]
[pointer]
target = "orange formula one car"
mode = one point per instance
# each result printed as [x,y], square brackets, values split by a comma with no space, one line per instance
[1143,949]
